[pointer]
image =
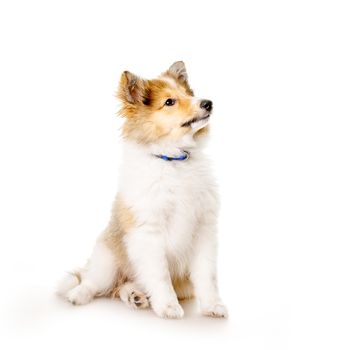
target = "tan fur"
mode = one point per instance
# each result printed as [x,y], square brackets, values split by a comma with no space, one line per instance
[183,288]
[77,275]
[121,222]
[147,118]
[201,132]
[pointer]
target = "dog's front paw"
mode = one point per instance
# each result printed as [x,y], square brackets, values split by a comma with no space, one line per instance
[169,310]
[80,295]
[215,310]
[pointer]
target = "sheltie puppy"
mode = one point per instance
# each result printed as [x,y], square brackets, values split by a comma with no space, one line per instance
[160,244]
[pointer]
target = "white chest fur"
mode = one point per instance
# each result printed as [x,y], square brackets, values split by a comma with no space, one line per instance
[171,197]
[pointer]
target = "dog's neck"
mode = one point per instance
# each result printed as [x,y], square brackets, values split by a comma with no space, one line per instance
[184,156]
[169,152]
[162,150]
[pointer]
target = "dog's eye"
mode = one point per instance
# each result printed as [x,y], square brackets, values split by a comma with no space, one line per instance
[170,102]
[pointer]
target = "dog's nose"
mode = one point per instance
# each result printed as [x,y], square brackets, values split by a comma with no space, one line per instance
[207,105]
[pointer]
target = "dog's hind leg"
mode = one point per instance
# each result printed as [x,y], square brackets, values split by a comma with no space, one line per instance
[96,279]
[131,295]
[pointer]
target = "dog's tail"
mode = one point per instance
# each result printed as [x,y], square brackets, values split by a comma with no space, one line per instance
[69,281]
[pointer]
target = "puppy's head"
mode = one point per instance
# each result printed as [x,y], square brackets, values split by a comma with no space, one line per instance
[162,109]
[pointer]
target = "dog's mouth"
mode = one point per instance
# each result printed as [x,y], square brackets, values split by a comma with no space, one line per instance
[194,120]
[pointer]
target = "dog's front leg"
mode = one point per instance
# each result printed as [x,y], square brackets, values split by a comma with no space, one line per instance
[203,272]
[146,251]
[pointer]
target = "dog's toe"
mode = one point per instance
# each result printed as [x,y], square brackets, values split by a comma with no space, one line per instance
[80,295]
[216,310]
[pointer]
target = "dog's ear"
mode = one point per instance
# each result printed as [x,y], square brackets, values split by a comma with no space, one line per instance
[178,71]
[131,88]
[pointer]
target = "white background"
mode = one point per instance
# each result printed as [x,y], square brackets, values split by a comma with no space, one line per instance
[278,73]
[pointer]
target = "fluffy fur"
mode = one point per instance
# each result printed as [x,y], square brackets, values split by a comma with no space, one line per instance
[160,244]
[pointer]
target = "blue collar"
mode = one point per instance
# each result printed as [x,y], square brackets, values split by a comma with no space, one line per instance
[184,156]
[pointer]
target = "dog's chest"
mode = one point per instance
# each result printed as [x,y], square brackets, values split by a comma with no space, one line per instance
[170,200]
[185,194]
[173,197]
